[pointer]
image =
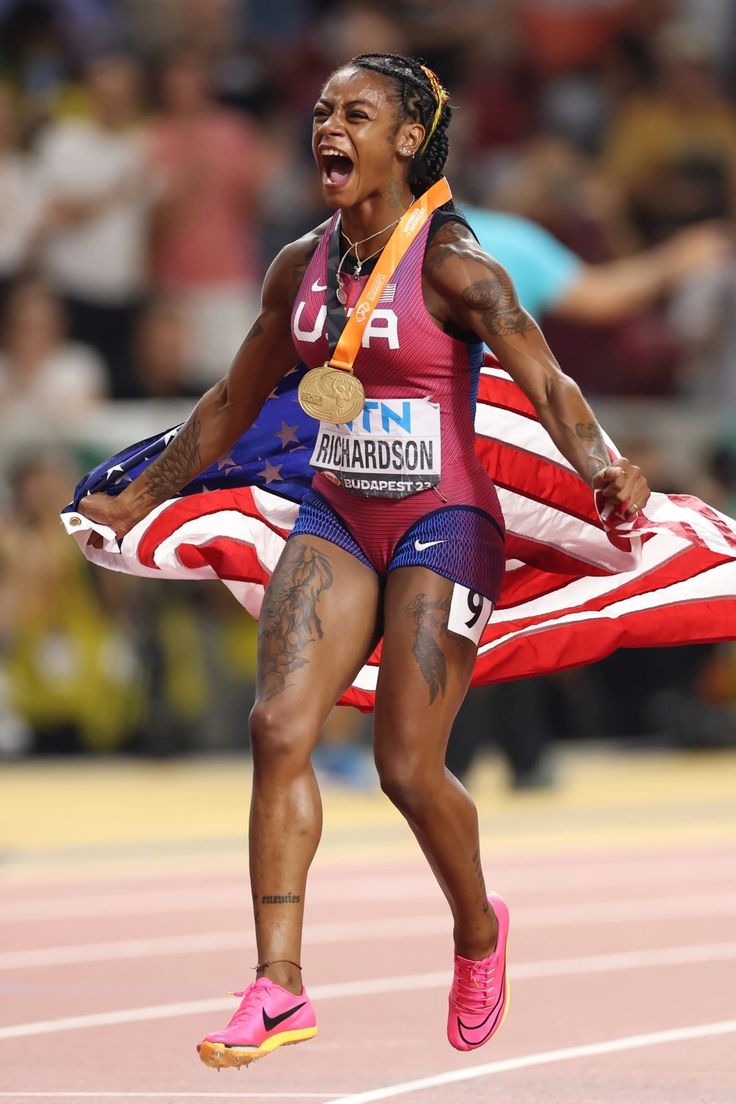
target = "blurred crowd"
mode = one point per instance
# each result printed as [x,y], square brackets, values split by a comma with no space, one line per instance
[155,155]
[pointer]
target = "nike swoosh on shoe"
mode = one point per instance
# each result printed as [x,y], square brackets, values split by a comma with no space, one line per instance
[270,1022]
[462,1027]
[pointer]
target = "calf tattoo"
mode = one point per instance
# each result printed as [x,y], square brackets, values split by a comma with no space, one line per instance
[281,899]
[481,880]
[430,619]
[289,619]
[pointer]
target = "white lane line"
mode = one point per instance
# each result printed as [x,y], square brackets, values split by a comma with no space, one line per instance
[523,971]
[174,1094]
[384,928]
[95,905]
[543,1058]
[390,887]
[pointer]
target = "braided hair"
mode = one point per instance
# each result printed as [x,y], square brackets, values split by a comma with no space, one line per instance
[422,99]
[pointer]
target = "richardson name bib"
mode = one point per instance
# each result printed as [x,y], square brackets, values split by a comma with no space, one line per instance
[391,450]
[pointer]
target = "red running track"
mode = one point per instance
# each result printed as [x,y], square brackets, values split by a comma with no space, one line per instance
[623,969]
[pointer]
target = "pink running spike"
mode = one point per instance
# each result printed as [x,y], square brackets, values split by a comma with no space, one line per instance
[269,1016]
[480,994]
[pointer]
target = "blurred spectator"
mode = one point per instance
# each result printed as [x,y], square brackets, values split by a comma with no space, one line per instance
[209,168]
[561,36]
[161,353]
[550,181]
[37,55]
[702,316]
[550,278]
[71,669]
[44,379]
[674,152]
[634,353]
[17,206]
[92,232]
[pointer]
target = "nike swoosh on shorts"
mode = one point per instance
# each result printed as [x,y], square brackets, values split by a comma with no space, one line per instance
[421,545]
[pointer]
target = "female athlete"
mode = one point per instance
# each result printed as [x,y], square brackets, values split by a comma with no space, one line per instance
[401,536]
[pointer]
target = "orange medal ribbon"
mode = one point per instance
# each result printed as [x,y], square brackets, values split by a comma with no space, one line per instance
[332,393]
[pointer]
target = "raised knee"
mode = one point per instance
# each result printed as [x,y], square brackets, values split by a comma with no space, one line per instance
[277,737]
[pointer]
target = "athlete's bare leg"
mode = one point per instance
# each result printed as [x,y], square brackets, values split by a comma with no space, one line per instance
[317,627]
[425,672]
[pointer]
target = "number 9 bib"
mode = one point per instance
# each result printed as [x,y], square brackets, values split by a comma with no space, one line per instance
[469,613]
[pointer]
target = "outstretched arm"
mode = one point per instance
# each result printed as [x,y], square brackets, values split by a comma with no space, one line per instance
[227,409]
[608,291]
[467,287]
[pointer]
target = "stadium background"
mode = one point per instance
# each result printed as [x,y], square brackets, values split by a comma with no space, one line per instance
[155,155]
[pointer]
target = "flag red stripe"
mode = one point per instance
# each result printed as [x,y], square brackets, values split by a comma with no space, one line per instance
[527,583]
[495,391]
[229,558]
[557,647]
[684,565]
[547,557]
[187,509]
[535,477]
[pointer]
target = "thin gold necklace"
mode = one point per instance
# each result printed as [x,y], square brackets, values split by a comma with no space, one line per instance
[353,245]
[342,295]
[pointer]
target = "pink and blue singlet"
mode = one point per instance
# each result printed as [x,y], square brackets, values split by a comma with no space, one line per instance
[456,528]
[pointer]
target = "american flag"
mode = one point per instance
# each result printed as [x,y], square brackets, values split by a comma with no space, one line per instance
[578,584]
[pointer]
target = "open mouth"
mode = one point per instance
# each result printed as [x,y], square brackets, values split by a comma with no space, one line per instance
[336,166]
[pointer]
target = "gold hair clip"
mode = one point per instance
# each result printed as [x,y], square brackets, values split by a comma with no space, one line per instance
[441,95]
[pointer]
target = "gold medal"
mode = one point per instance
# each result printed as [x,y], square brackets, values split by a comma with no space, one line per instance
[331,394]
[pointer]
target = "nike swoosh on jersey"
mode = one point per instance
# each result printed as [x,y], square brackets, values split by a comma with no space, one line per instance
[270,1022]
[317,286]
[421,545]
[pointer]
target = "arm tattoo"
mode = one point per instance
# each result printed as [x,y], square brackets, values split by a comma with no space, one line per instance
[430,619]
[591,433]
[495,298]
[496,301]
[289,619]
[449,241]
[179,463]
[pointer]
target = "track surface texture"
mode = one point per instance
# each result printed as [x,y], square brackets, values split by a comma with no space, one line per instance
[125,921]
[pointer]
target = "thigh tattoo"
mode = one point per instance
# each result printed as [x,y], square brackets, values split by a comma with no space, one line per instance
[289,620]
[430,619]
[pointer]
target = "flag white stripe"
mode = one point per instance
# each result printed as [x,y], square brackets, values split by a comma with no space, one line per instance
[717,582]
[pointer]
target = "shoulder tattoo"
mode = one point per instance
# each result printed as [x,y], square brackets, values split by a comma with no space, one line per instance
[494,299]
[497,303]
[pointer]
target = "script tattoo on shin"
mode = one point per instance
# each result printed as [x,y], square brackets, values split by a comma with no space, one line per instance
[590,432]
[289,619]
[179,463]
[430,619]
[281,899]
